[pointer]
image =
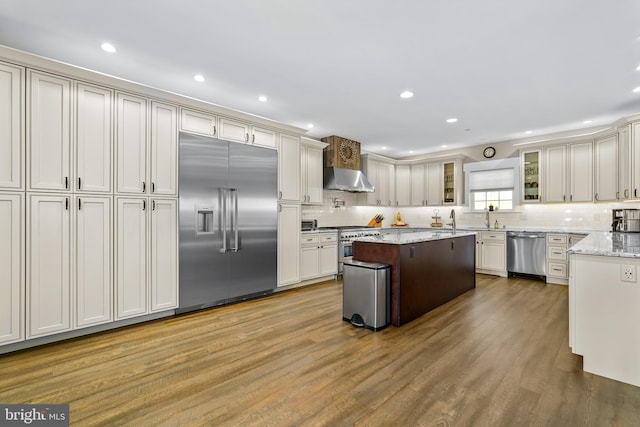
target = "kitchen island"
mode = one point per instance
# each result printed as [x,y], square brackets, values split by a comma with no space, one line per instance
[428,268]
[604,305]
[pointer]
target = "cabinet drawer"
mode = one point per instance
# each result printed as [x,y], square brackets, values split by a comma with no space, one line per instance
[498,236]
[558,253]
[307,240]
[327,238]
[557,239]
[555,269]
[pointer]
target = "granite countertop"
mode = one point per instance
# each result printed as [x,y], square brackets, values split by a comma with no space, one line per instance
[414,237]
[324,230]
[600,243]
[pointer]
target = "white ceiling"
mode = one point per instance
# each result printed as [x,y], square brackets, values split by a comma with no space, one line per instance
[502,67]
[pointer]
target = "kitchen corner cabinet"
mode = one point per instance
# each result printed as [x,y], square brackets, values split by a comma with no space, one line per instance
[288,244]
[11,127]
[382,175]
[311,171]
[131,144]
[289,169]
[164,254]
[131,257]
[48,265]
[606,169]
[93,260]
[568,173]
[94,146]
[403,185]
[49,132]
[531,169]
[164,149]
[12,281]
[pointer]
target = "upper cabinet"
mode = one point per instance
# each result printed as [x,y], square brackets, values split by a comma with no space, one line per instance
[382,175]
[444,183]
[531,173]
[606,169]
[233,130]
[568,173]
[311,170]
[198,122]
[164,149]
[131,144]
[11,127]
[403,185]
[635,160]
[289,168]
[49,132]
[418,187]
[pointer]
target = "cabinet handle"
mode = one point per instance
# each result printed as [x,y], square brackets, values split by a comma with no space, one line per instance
[144,187]
[79,204]
[279,208]
[144,205]
[66,203]
[214,129]
[153,187]
[571,198]
[626,193]
[66,182]
[635,193]
[153,205]
[253,138]
[617,194]
[246,137]
[564,198]
[79,183]
[280,195]
[596,197]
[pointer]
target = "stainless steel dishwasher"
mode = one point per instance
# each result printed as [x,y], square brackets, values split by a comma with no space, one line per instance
[526,253]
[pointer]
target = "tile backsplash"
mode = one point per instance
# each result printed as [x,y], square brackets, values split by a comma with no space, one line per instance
[570,216]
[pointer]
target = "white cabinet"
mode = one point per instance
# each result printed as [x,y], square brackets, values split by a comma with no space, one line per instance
[328,254]
[93,137]
[198,122]
[318,255]
[164,149]
[434,184]
[263,137]
[93,260]
[382,176]
[418,187]
[635,160]
[288,244]
[11,127]
[568,173]
[289,169]
[606,169]
[49,132]
[557,259]
[403,185]
[309,263]
[233,130]
[12,292]
[625,157]
[48,265]
[491,255]
[131,144]
[311,171]
[131,257]
[164,254]
[530,169]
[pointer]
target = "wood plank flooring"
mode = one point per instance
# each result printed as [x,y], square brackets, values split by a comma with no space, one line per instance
[496,356]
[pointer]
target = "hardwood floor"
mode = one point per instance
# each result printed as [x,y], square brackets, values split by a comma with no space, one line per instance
[496,356]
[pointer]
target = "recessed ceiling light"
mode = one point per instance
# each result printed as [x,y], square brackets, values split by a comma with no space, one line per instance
[411,151]
[310,125]
[406,94]
[452,120]
[108,47]
[262,98]
[586,122]
[636,90]
[384,148]
[444,146]
[198,78]
[527,132]
[638,68]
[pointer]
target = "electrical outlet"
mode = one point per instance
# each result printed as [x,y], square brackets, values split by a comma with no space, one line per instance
[628,273]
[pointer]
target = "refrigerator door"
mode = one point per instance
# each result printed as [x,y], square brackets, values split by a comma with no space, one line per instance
[253,175]
[204,277]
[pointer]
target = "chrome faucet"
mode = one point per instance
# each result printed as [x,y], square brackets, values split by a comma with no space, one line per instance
[452,215]
[486,219]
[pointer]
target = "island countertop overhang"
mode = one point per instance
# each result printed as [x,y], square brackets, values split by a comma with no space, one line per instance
[400,238]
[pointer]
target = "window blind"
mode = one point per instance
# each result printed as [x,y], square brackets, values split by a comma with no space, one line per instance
[496,179]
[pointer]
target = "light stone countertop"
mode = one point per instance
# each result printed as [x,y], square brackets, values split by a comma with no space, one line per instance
[414,237]
[600,243]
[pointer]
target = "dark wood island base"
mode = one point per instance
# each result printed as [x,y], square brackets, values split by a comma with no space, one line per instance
[424,274]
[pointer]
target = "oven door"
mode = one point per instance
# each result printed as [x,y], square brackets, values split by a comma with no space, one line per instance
[345,254]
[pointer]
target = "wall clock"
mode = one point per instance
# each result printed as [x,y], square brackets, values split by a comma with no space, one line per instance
[489,152]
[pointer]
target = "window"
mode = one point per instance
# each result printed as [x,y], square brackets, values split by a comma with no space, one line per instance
[481,200]
[493,182]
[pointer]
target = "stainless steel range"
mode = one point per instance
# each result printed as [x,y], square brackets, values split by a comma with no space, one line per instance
[346,237]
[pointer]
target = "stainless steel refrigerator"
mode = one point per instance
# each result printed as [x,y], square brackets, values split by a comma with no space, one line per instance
[228,221]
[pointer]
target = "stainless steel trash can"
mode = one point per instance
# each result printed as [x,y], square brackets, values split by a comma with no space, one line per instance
[366,294]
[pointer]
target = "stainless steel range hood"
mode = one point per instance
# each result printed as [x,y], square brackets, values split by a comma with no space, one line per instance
[347,180]
[342,166]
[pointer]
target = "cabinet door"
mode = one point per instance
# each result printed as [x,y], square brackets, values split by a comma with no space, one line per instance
[328,260]
[418,185]
[625,157]
[11,268]
[387,183]
[606,171]
[371,172]
[449,182]
[289,169]
[581,172]
[11,126]
[309,263]
[232,130]
[434,184]
[164,149]
[531,186]
[93,138]
[49,132]
[131,257]
[197,122]
[131,144]
[635,160]
[48,265]
[263,137]
[403,185]
[314,182]
[164,254]
[555,174]
[288,244]
[93,266]
[493,256]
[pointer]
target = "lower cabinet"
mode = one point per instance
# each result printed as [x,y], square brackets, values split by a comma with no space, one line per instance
[318,255]
[557,257]
[12,281]
[491,252]
[164,254]
[288,244]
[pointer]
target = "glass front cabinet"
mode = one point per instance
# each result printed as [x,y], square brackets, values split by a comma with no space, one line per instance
[449,172]
[531,174]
